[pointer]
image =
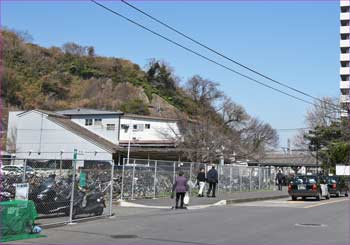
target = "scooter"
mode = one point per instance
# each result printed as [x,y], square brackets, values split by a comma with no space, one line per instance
[5,196]
[88,203]
[49,198]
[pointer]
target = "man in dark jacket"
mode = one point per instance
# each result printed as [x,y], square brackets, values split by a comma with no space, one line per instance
[279,180]
[212,178]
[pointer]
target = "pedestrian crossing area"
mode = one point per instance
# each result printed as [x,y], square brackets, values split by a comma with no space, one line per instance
[288,203]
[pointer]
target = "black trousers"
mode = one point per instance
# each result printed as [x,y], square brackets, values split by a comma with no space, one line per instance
[212,186]
[180,196]
[279,186]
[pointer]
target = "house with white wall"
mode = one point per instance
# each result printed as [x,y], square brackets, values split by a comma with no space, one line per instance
[97,134]
[103,123]
[149,131]
[47,135]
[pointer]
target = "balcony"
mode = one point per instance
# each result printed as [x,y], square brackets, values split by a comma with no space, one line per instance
[344,70]
[345,98]
[344,43]
[345,29]
[344,16]
[344,3]
[344,84]
[345,57]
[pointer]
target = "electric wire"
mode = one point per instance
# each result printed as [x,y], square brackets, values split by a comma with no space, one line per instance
[226,57]
[203,56]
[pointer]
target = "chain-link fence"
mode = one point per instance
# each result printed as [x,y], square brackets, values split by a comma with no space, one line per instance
[62,190]
[142,178]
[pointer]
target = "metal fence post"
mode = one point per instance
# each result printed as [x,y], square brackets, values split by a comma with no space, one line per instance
[122,187]
[155,178]
[250,179]
[259,177]
[73,185]
[133,181]
[111,189]
[174,172]
[231,182]
[240,178]
[61,166]
[190,189]
[25,170]
[219,182]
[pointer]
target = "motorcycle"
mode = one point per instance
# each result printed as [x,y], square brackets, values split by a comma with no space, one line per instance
[5,196]
[88,202]
[50,197]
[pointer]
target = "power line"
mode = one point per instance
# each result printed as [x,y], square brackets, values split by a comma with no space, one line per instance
[200,55]
[226,57]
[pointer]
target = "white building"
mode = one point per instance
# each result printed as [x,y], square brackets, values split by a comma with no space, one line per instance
[149,131]
[46,135]
[345,57]
[103,123]
[96,134]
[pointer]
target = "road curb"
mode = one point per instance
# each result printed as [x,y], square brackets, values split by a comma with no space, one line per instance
[201,206]
[254,199]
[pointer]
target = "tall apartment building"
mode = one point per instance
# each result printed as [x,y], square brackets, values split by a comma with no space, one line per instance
[345,57]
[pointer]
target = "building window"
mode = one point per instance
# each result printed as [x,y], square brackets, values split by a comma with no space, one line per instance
[344,50]
[124,126]
[344,36]
[98,121]
[345,22]
[345,63]
[344,9]
[138,127]
[88,122]
[147,126]
[345,77]
[111,127]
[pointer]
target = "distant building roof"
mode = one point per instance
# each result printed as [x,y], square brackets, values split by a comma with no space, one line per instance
[86,111]
[48,113]
[149,117]
[84,133]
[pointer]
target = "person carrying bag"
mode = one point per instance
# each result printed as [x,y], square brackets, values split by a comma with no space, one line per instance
[180,187]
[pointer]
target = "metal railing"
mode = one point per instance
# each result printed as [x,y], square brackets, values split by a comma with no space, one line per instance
[62,190]
[144,178]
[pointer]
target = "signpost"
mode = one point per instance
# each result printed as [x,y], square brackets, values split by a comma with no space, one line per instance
[75,155]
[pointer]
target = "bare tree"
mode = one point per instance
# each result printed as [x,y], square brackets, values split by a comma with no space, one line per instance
[257,137]
[323,113]
[74,49]
[203,91]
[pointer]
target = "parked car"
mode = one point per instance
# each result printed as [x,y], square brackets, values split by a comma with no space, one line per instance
[308,186]
[16,169]
[337,186]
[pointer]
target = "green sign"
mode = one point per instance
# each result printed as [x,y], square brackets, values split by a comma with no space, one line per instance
[82,179]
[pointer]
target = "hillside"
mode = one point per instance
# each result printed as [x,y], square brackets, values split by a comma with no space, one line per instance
[74,76]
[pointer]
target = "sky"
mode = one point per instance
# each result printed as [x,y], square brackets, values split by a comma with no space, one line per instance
[296,43]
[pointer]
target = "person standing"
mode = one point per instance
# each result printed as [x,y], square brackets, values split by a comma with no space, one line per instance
[180,187]
[201,182]
[279,180]
[212,178]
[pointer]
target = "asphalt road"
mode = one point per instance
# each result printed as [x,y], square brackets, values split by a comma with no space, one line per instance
[266,222]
